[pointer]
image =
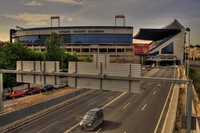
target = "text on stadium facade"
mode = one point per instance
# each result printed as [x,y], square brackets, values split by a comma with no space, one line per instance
[82,31]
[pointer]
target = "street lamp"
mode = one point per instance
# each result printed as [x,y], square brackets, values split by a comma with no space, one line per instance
[188,30]
[189,89]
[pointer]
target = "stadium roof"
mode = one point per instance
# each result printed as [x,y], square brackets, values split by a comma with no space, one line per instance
[159,34]
[76,27]
[155,34]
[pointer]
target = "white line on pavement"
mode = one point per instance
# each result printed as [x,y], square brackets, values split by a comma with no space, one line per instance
[144,107]
[154,92]
[126,105]
[114,100]
[71,128]
[155,131]
[47,127]
[98,130]
[92,102]
[141,91]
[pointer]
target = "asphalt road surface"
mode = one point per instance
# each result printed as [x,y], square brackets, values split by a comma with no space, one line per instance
[129,113]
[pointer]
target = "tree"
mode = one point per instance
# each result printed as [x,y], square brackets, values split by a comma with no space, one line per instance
[10,53]
[69,56]
[53,51]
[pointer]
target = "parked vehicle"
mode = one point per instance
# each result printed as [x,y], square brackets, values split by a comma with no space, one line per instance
[16,93]
[92,119]
[61,85]
[47,87]
[34,90]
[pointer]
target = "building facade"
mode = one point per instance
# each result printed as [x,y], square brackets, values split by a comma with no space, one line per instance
[84,40]
[167,46]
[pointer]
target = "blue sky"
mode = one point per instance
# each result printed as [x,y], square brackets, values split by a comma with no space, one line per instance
[138,13]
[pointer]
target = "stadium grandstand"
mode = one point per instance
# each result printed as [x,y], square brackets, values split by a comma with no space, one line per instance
[167,46]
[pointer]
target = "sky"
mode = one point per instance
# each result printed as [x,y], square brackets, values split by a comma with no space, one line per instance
[139,14]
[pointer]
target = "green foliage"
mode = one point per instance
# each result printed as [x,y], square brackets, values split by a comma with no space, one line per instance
[53,51]
[10,53]
[37,55]
[195,76]
[84,59]
[68,56]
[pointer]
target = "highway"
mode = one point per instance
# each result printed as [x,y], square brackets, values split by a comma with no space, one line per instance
[138,113]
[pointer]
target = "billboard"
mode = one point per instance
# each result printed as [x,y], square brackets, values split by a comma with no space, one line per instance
[141,49]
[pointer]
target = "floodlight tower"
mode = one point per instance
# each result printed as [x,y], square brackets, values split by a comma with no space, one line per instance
[120,16]
[55,17]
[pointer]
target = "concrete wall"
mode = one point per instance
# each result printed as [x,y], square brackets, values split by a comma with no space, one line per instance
[102,67]
[38,66]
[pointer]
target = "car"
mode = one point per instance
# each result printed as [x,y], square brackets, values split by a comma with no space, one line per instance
[47,88]
[61,85]
[92,119]
[34,90]
[16,93]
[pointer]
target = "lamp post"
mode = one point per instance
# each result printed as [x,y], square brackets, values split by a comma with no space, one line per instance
[189,89]
[188,30]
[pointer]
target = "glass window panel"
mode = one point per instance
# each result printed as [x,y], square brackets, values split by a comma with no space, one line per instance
[169,49]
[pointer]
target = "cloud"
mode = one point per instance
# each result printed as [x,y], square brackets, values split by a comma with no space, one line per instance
[30,18]
[72,2]
[35,19]
[33,3]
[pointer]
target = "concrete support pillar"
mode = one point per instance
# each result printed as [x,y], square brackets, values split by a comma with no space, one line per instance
[157,63]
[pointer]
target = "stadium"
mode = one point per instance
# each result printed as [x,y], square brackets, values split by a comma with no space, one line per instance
[84,40]
[167,44]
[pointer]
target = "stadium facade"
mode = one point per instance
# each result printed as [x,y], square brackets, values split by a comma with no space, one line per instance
[167,46]
[84,40]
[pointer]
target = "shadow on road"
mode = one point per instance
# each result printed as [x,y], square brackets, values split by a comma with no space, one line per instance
[110,125]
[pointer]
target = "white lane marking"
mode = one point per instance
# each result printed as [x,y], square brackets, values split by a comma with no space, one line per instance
[154,92]
[71,128]
[92,102]
[126,105]
[47,127]
[98,130]
[114,100]
[141,91]
[164,107]
[144,107]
